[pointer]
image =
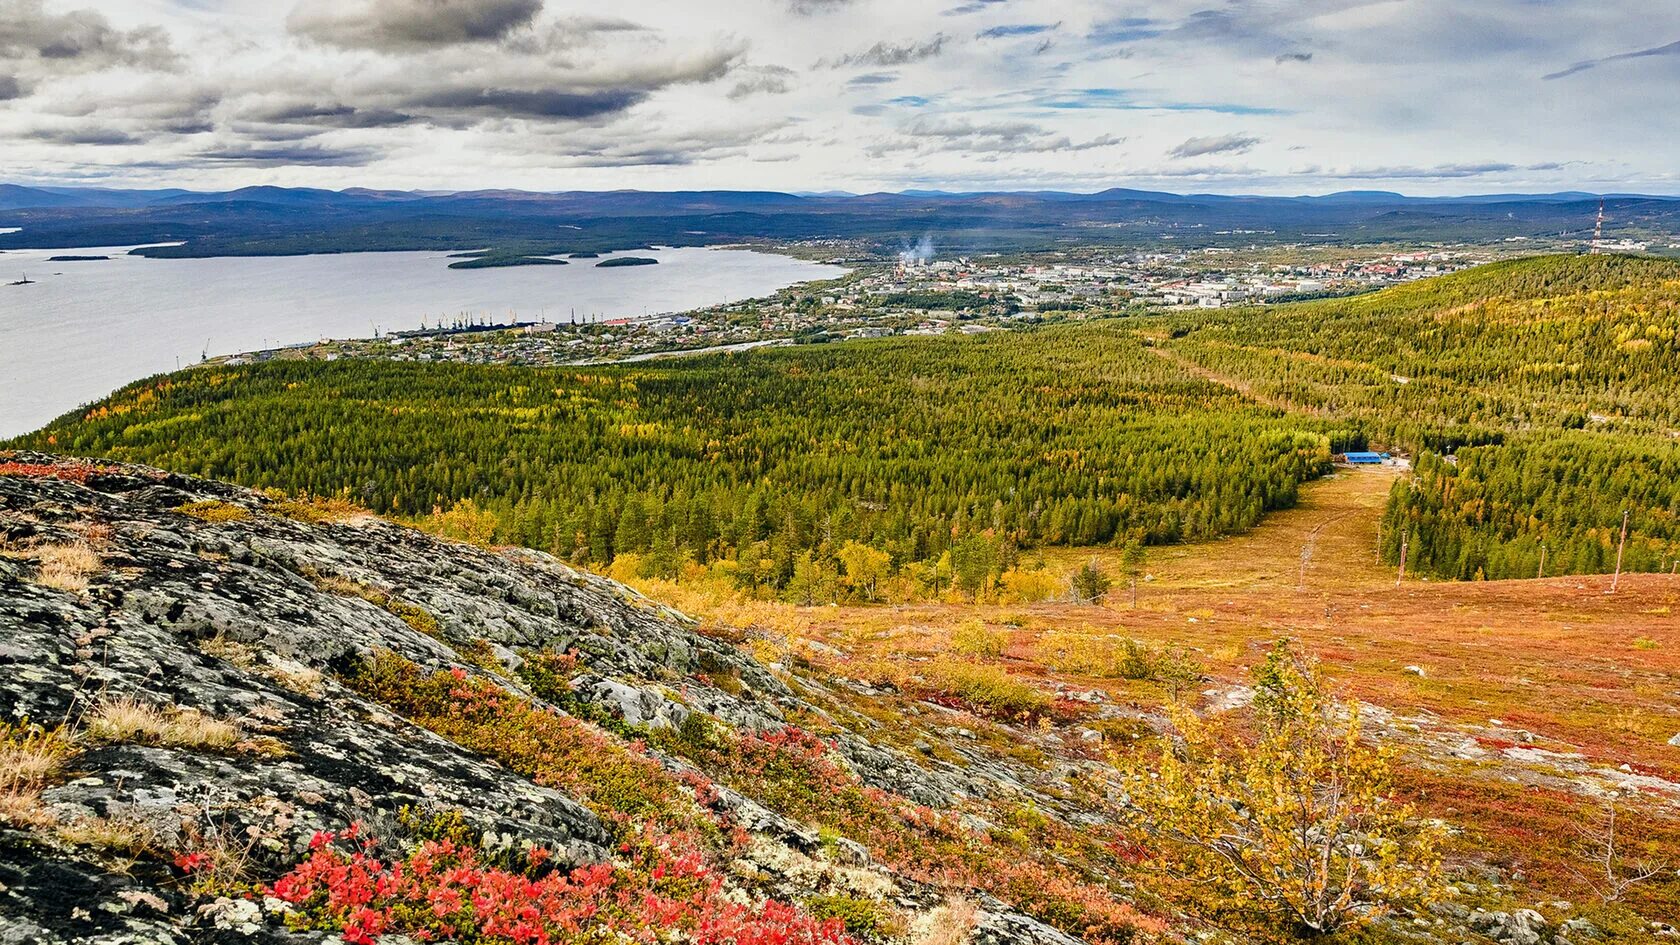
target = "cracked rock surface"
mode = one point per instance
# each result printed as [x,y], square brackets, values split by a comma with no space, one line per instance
[244,616]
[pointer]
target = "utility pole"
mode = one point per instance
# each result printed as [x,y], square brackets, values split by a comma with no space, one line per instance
[1404,542]
[1616,581]
[1542,571]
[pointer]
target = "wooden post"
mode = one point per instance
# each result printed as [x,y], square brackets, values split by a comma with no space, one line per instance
[1542,572]
[1616,581]
[1404,541]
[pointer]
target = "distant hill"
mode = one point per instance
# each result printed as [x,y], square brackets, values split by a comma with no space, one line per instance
[282,221]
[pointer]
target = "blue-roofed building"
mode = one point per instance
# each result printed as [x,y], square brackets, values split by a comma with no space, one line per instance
[1364,459]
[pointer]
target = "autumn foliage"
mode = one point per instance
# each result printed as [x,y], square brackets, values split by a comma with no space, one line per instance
[1285,830]
[442,892]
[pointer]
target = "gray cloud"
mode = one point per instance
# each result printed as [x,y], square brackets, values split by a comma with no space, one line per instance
[1011,31]
[10,88]
[1215,144]
[872,78]
[814,7]
[996,137]
[527,103]
[639,142]
[287,155]
[973,6]
[893,54]
[768,80]
[1672,49]
[1437,172]
[1294,57]
[77,41]
[83,135]
[410,24]
[457,87]
[332,115]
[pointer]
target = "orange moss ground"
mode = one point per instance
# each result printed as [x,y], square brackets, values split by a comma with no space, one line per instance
[1578,669]
[1560,657]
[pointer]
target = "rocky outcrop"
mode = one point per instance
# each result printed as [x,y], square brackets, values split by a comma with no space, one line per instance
[231,605]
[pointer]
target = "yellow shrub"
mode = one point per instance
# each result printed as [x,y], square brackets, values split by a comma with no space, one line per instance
[1326,848]
[1030,587]
[974,638]
[214,512]
[314,509]
[1106,657]
[988,688]
[626,567]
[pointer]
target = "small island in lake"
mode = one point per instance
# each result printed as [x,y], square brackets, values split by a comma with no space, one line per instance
[76,258]
[618,261]
[498,261]
[583,255]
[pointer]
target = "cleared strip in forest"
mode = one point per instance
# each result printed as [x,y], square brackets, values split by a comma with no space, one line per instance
[1240,386]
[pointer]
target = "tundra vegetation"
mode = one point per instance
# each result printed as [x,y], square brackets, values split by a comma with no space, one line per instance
[1024,501]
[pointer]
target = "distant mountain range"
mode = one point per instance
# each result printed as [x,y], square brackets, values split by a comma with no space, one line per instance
[284,220]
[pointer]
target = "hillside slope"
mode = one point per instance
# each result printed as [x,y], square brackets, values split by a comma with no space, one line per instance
[1548,381]
[241,677]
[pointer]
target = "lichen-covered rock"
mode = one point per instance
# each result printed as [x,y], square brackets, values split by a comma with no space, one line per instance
[213,599]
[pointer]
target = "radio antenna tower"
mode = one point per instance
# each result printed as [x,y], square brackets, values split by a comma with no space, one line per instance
[1598,230]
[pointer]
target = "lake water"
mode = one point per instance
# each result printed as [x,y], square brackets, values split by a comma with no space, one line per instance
[84,329]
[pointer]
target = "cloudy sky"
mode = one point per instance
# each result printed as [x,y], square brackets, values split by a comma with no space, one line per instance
[1232,96]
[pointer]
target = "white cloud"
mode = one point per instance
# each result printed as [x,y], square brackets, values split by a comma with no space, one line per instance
[1428,96]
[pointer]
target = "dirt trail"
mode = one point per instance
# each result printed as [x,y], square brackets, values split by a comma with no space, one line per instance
[1337,516]
[1240,386]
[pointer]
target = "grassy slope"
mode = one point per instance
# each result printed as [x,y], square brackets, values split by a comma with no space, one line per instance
[1580,671]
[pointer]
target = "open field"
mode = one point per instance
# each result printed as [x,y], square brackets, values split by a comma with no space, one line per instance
[1523,704]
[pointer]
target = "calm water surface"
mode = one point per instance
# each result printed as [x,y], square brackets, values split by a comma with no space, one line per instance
[84,329]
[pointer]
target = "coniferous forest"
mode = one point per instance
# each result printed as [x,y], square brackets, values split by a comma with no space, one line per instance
[1539,399]
[951,452]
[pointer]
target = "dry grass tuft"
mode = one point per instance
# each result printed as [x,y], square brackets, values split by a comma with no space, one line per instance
[30,757]
[417,617]
[130,720]
[124,836]
[301,679]
[951,924]
[66,567]
[239,654]
[24,811]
